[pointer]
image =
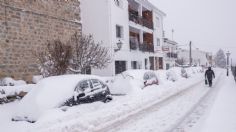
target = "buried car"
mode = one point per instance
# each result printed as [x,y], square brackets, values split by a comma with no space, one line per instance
[58,91]
[133,81]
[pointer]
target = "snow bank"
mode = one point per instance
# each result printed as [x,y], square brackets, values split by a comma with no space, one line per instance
[91,117]
[49,93]
[37,78]
[130,81]
[11,82]
[6,91]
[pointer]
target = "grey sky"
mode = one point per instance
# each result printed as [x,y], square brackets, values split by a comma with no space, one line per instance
[209,24]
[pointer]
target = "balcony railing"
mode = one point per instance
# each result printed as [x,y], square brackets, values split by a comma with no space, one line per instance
[172,55]
[142,47]
[133,45]
[146,47]
[139,20]
[147,23]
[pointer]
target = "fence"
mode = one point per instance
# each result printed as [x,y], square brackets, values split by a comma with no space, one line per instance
[233,68]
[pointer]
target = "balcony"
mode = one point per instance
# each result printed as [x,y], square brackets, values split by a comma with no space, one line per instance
[146,47]
[172,55]
[134,17]
[133,44]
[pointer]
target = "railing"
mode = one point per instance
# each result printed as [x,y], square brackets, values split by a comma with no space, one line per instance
[139,20]
[134,45]
[147,23]
[172,55]
[234,72]
[146,47]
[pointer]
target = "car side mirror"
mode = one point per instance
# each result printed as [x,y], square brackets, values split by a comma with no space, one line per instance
[82,95]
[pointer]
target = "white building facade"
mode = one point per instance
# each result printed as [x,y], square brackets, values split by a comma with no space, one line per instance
[169,49]
[132,30]
[199,58]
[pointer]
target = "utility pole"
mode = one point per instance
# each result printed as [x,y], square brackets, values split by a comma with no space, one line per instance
[227,54]
[172,34]
[190,53]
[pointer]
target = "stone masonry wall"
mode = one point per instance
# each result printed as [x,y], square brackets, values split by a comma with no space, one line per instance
[26,26]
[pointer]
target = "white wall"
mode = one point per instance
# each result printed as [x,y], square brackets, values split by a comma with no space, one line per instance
[100,17]
[199,57]
[96,21]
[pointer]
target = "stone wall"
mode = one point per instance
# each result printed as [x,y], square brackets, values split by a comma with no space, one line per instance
[26,26]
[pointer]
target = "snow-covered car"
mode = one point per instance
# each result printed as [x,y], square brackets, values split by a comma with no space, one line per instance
[171,75]
[150,78]
[133,80]
[58,91]
[90,90]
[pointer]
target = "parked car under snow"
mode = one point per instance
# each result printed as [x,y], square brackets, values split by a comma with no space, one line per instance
[58,91]
[133,80]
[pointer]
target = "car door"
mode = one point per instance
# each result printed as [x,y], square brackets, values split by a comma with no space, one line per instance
[85,88]
[98,89]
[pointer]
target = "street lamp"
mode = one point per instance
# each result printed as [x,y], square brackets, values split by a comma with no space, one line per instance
[228,54]
[119,45]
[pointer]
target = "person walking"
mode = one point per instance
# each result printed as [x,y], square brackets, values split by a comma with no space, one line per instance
[209,75]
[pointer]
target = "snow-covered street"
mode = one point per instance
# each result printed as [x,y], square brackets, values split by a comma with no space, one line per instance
[165,115]
[187,105]
[221,114]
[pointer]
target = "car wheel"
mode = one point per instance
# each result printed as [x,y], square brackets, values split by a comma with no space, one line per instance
[107,99]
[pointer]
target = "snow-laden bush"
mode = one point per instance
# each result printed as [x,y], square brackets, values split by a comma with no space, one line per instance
[55,59]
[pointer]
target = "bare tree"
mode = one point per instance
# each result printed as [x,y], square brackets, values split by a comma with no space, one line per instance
[88,54]
[220,59]
[55,59]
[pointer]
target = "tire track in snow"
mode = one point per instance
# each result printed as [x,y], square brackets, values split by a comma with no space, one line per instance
[200,109]
[116,126]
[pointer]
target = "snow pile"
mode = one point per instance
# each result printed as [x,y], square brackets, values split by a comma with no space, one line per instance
[49,93]
[91,117]
[130,81]
[6,91]
[42,102]
[11,82]
[37,78]
[171,75]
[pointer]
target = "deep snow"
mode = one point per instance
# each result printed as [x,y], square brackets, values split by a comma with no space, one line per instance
[95,116]
[221,116]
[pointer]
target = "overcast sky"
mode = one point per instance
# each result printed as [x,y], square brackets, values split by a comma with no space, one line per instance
[209,24]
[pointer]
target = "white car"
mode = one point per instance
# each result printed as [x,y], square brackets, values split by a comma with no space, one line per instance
[57,91]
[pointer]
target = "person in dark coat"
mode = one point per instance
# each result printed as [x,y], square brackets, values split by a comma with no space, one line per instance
[209,74]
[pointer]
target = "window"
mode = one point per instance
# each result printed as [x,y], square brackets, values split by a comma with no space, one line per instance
[158,42]
[96,84]
[120,66]
[119,31]
[146,63]
[84,86]
[134,65]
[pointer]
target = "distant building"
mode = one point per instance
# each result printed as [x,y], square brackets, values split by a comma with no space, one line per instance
[169,49]
[131,29]
[199,58]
